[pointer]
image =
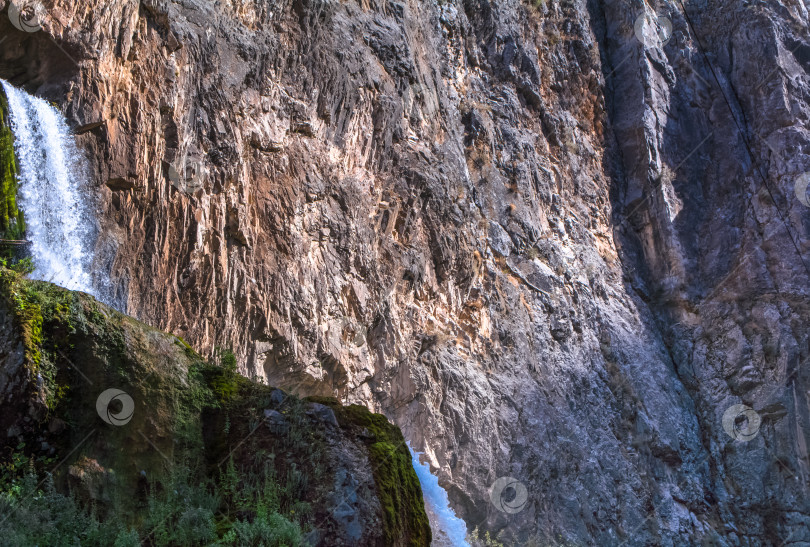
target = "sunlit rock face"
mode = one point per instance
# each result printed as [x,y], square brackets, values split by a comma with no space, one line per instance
[552,241]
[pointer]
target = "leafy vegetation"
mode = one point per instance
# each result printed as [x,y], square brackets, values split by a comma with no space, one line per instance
[225,380]
[193,504]
[180,511]
[22,266]
[12,222]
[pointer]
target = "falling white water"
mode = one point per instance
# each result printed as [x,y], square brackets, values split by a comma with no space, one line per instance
[57,215]
[448,530]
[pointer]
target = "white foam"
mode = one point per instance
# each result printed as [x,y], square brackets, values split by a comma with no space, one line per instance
[52,192]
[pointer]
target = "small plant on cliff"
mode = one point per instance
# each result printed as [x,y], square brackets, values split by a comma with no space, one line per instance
[258,500]
[12,223]
[22,266]
[477,540]
[270,530]
[226,380]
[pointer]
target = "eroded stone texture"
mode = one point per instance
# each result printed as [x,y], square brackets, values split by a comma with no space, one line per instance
[537,244]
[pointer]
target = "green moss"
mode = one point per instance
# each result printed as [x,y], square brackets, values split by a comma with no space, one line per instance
[37,305]
[12,223]
[405,520]
[188,349]
[224,380]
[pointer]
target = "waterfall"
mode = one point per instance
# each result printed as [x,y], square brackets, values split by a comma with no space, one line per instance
[448,530]
[59,223]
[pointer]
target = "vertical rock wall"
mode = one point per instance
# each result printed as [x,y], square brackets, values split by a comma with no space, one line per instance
[550,247]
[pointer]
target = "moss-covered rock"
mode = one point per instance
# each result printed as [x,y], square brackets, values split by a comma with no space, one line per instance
[339,474]
[405,521]
[12,223]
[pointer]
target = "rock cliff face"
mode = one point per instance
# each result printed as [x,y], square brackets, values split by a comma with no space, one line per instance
[548,240]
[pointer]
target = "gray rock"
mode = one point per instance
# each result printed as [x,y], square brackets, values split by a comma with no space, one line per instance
[277,396]
[421,133]
[322,413]
[499,239]
[276,422]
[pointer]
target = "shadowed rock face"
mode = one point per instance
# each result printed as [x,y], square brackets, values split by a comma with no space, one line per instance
[545,248]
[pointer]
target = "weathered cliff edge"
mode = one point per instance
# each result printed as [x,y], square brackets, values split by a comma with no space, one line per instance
[542,246]
[342,473]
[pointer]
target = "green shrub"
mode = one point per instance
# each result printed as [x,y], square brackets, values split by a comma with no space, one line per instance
[127,538]
[180,512]
[266,530]
[226,381]
[36,514]
[22,266]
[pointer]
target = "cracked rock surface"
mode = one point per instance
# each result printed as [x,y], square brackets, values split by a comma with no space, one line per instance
[547,249]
